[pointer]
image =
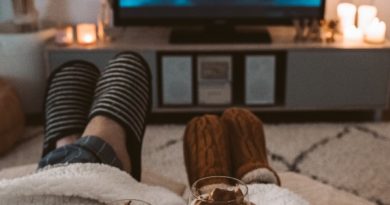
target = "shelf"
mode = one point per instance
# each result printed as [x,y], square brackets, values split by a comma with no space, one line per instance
[155,38]
[166,110]
[309,76]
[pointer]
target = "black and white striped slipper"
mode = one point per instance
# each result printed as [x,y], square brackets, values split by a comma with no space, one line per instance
[68,100]
[123,94]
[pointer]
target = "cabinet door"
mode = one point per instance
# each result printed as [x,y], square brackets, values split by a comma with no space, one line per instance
[100,59]
[337,79]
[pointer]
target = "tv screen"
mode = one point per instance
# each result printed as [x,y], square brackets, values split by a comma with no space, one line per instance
[179,12]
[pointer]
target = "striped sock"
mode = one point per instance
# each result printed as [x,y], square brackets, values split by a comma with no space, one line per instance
[68,100]
[123,94]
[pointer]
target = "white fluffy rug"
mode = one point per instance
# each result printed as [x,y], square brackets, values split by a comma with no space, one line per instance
[351,157]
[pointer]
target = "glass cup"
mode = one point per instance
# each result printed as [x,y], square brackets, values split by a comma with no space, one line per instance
[218,190]
[129,202]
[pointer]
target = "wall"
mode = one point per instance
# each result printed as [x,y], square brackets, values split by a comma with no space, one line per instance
[82,11]
[5,9]
[62,11]
[71,11]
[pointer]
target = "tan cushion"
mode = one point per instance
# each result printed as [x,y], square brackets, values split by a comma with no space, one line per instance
[12,119]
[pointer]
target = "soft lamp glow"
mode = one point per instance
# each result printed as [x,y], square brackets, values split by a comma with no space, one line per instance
[376,32]
[64,36]
[353,34]
[86,34]
[366,15]
[87,38]
[347,14]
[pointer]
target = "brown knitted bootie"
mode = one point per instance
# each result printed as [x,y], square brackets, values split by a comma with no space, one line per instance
[248,148]
[206,149]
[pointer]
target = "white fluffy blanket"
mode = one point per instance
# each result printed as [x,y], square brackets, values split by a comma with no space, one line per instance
[99,184]
[76,183]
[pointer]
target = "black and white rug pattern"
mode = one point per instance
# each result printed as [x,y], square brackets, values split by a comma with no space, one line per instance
[350,157]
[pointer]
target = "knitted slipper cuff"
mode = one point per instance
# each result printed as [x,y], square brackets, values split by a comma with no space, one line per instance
[123,95]
[257,173]
[68,99]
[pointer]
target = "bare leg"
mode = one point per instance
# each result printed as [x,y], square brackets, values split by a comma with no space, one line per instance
[113,134]
[67,140]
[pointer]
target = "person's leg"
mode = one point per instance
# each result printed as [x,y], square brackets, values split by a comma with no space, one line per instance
[206,149]
[123,94]
[113,134]
[68,98]
[70,139]
[103,142]
[117,119]
[249,154]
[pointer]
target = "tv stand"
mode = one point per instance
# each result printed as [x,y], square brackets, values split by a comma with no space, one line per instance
[219,34]
[339,76]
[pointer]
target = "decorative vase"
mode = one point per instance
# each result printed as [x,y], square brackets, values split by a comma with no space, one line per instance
[104,20]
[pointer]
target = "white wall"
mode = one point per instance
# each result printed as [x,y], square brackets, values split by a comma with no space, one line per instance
[75,11]
[5,9]
[61,11]
[384,13]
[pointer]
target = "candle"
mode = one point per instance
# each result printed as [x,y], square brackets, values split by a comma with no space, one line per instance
[86,34]
[366,15]
[353,34]
[376,32]
[347,14]
[64,36]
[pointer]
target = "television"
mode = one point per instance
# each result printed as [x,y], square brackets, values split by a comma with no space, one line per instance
[215,20]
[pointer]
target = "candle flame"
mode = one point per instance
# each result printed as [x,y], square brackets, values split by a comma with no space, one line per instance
[88,38]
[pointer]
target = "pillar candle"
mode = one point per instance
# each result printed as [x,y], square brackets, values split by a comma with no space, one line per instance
[376,32]
[366,14]
[86,34]
[347,14]
[353,34]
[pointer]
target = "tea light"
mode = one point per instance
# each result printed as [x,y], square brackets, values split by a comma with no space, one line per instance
[353,34]
[376,32]
[347,14]
[366,14]
[64,36]
[86,34]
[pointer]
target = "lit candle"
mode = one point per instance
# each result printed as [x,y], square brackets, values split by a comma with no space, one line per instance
[86,34]
[353,34]
[366,15]
[347,14]
[376,32]
[64,35]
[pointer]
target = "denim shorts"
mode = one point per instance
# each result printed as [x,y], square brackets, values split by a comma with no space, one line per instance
[88,149]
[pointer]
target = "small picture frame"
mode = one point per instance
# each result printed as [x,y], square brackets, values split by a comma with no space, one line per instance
[214,80]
